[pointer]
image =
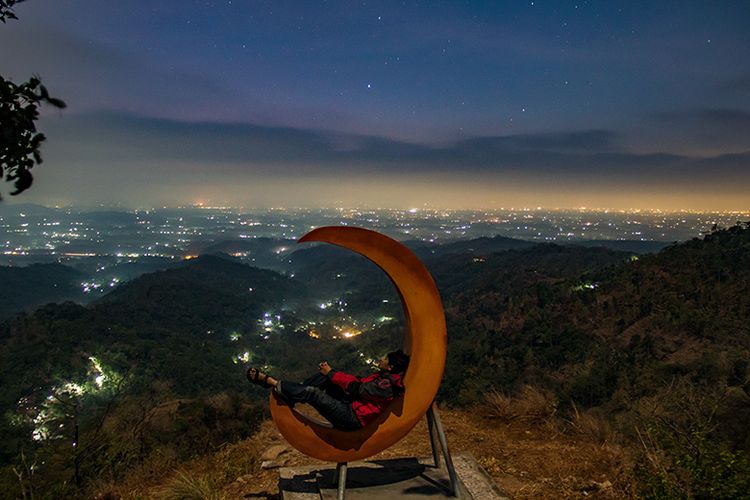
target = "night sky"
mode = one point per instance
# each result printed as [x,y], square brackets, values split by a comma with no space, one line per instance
[393,104]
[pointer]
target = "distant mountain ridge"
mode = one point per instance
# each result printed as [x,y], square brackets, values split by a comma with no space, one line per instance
[263,252]
[204,290]
[27,288]
[635,246]
[481,246]
[23,288]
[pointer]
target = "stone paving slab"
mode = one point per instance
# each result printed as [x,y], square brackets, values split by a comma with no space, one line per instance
[393,478]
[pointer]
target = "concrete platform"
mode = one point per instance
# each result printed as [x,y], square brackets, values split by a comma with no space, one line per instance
[394,478]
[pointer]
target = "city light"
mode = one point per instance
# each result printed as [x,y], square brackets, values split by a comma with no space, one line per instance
[171,233]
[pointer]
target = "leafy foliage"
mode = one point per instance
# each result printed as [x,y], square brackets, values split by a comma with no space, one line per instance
[684,456]
[19,139]
[6,10]
[19,109]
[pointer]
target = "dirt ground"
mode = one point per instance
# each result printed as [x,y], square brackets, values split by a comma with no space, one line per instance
[525,460]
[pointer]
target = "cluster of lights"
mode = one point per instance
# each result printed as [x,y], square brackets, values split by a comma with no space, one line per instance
[88,286]
[99,376]
[369,361]
[585,286]
[130,255]
[270,322]
[33,235]
[346,332]
[339,304]
[243,357]
[48,416]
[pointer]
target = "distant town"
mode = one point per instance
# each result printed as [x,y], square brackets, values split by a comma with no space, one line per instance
[32,233]
[111,247]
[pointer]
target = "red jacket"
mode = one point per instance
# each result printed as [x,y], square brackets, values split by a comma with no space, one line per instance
[371,394]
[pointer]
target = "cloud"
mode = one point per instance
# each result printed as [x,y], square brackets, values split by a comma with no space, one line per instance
[135,159]
[721,130]
[707,117]
[237,148]
[147,137]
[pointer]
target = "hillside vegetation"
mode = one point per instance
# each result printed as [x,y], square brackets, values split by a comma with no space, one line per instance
[658,347]
[32,286]
[647,353]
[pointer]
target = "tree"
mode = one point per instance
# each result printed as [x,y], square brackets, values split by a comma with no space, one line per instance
[19,109]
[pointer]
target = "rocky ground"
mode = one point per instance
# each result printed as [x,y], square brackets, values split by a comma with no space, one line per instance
[539,459]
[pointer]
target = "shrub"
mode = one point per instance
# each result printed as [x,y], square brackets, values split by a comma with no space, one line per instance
[683,454]
[591,425]
[530,405]
[691,466]
[186,487]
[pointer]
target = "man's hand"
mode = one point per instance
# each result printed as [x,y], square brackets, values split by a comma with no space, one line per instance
[324,367]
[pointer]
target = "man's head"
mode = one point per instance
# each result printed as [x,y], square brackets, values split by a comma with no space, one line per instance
[394,362]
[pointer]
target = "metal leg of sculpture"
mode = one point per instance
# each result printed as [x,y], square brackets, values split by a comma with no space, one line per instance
[432,414]
[433,438]
[340,478]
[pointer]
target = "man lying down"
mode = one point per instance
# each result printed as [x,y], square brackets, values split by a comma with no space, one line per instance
[346,401]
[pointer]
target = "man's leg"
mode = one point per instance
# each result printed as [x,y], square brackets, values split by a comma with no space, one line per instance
[316,380]
[338,412]
[321,381]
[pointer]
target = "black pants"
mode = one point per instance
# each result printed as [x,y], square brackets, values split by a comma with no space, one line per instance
[329,399]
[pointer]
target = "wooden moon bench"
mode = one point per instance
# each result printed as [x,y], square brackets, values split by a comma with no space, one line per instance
[425,340]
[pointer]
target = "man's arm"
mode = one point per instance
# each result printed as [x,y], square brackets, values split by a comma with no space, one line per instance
[341,379]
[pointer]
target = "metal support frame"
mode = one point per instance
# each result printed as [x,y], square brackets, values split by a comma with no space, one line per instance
[433,438]
[437,433]
[340,478]
[437,437]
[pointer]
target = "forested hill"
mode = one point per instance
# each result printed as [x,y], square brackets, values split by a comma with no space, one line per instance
[158,364]
[683,307]
[87,279]
[28,287]
[204,292]
[160,323]
[664,335]
[512,271]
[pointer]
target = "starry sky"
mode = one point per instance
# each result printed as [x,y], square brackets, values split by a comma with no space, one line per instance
[453,104]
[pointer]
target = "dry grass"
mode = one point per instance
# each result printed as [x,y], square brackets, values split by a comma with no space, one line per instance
[185,486]
[531,405]
[591,426]
[202,478]
[148,474]
[526,455]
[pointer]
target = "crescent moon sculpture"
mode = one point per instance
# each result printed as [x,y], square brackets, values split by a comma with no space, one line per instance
[425,339]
